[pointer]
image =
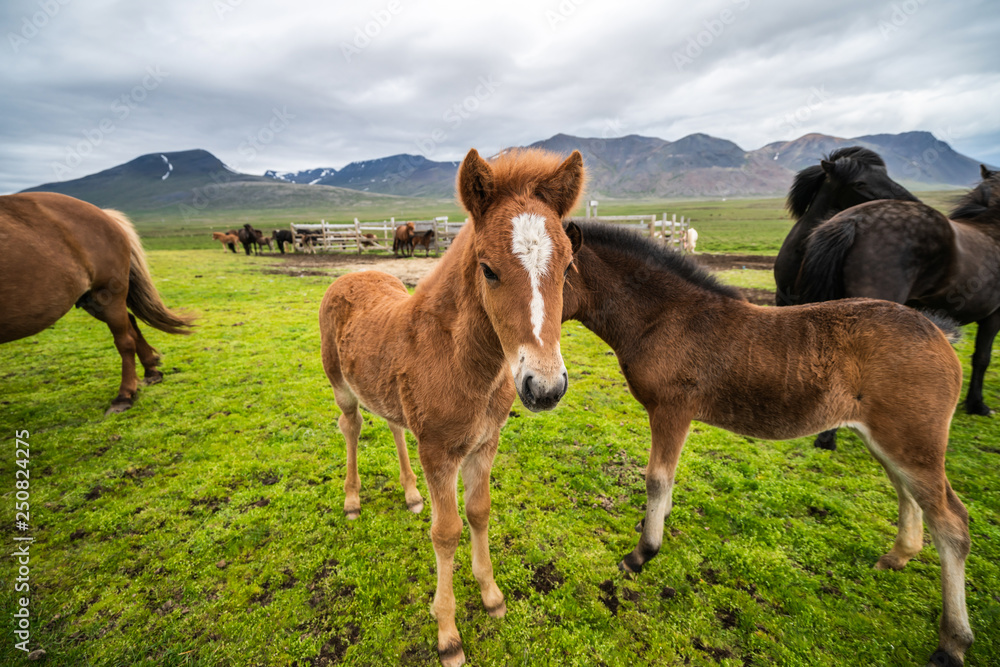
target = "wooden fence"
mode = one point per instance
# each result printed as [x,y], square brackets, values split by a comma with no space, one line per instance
[357,236]
[671,231]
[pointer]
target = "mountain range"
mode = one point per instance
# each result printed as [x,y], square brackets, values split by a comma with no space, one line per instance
[697,165]
[633,166]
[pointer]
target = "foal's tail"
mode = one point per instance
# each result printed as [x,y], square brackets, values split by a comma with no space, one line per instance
[821,276]
[143,299]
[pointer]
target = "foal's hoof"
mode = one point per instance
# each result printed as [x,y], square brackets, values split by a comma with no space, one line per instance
[416,507]
[153,377]
[118,405]
[452,655]
[639,526]
[828,443]
[891,562]
[629,570]
[352,513]
[498,611]
[941,659]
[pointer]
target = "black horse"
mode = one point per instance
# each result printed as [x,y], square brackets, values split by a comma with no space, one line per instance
[847,177]
[909,253]
[248,237]
[281,237]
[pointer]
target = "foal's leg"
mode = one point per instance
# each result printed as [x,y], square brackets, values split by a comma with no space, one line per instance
[147,355]
[669,431]
[910,535]
[986,331]
[406,477]
[925,482]
[446,529]
[350,425]
[476,476]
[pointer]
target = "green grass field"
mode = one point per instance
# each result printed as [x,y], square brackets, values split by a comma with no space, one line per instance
[204,526]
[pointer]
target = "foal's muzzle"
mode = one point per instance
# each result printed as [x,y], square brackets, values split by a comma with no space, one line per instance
[538,393]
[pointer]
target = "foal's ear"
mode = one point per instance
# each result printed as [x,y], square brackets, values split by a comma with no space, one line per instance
[475,185]
[985,172]
[827,166]
[575,237]
[562,189]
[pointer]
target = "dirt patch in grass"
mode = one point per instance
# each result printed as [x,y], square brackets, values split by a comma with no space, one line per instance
[409,269]
[609,598]
[333,650]
[726,262]
[758,296]
[546,579]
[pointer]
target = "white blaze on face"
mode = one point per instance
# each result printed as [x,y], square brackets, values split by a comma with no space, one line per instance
[533,247]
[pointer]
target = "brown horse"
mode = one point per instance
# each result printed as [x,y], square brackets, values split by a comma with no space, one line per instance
[71,252]
[691,348]
[403,239]
[446,362]
[227,240]
[426,239]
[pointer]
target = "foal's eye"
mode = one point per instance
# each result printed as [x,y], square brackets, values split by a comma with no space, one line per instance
[488,274]
[568,267]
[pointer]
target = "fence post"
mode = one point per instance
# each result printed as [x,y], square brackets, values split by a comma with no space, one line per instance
[357,234]
[652,226]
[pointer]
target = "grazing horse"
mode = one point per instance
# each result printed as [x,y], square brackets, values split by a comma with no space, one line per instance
[71,252]
[910,253]
[425,239]
[691,348]
[403,239]
[847,177]
[281,237]
[248,237]
[227,240]
[446,362]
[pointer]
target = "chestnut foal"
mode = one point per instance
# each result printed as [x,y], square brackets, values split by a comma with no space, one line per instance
[445,363]
[691,348]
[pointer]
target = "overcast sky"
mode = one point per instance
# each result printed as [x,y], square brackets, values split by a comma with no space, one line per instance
[88,84]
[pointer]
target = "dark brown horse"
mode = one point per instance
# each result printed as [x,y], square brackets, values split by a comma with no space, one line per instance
[447,362]
[402,241]
[691,348]
[909,253]
[846,177]
[249,237]
[71,252]
[425,238]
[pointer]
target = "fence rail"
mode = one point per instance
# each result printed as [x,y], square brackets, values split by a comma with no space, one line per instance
[357,236]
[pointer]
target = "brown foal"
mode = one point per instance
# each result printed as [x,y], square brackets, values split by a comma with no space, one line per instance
[691,348]
[71,252]
[484,324]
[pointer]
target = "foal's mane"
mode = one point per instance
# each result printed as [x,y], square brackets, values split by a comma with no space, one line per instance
[652,255]
[980,202]
[518,171]
[848,163]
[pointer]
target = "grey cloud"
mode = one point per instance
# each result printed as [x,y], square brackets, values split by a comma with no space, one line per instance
[572,66]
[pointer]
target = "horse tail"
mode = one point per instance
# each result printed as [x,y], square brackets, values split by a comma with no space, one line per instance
[142,298]
[821,276]
[949,327]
